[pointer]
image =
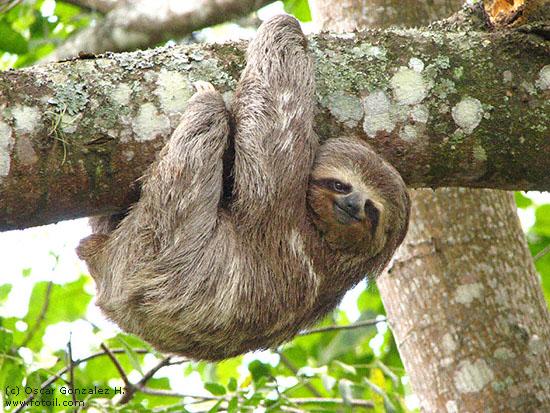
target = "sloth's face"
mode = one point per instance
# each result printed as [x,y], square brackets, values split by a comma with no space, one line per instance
[349,213]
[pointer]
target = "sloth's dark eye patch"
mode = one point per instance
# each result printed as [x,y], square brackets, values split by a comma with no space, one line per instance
[334,185]
[373,215]
[340,187]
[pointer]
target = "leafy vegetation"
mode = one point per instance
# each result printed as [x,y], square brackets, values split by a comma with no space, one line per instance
[33,29]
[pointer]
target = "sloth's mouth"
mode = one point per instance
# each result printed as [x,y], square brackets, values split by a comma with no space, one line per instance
[343,216]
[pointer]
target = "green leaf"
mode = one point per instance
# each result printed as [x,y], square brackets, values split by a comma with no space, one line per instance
[26,272]
[346,341]
[522,201]
[536,245]
[542,220]
[215,388]
[99,370]
[132,355]
[298,8]
[4,292]
[369,300]
[11,41]
[227,369]
[152,401]
[232,385]
[6,340]
[67,302]
[295,354]
[65,11]
[233,405]
[12,372]
[259,370]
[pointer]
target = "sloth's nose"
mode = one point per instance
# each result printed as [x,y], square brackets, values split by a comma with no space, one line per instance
[353,206]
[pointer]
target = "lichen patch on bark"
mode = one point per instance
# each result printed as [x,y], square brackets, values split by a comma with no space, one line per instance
[121,94]
[467,293]
[378,116]
[149,123]
[472,377]
[27,118]
[408,86]
[345,108]
[467,114]
[6,142]
[173,91]
[543,82]
[451,406]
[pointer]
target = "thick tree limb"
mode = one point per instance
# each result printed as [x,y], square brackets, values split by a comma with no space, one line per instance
[446,108]
[100,6]
[139,24]
[338,16]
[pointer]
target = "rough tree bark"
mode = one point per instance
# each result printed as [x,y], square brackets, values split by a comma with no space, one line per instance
[74,136]
[139,24]
[466,306]
[352,14]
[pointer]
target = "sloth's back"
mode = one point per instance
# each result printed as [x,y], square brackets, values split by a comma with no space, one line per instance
[228,294]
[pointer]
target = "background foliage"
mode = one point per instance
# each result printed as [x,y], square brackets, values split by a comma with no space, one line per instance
[347,365]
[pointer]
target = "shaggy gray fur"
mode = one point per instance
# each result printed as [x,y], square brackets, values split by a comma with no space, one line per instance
[209,281]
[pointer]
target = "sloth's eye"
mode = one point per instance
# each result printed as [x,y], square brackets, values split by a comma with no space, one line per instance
[340,187]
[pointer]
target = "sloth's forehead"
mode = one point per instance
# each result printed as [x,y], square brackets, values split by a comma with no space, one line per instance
[340,173]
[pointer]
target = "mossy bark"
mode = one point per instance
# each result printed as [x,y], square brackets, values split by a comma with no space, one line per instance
[458,108]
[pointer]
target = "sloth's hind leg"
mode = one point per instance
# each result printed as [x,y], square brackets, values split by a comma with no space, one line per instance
[182,189]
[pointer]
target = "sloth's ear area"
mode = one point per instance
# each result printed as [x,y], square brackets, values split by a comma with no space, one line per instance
[91,245]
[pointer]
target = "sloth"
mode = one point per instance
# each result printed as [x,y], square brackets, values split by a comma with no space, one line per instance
[207,279]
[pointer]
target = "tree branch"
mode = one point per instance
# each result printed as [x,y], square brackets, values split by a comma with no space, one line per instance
[100,6]
[141,24]
[294,370]
[367,404]
[75,136]
[71,370]
[64,370]
[359,324]
[128,385]
[130,392]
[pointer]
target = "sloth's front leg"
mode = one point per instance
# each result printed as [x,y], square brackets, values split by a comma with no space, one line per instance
[274,139]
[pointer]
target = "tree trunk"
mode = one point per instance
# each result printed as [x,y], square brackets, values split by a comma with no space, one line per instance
[466,306]
[468,316]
